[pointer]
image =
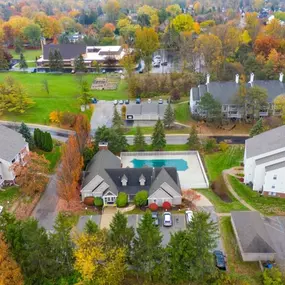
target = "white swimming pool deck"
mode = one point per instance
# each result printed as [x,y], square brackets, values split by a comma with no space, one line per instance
[193,177]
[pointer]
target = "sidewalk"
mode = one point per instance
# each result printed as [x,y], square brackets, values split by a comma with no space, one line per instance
[107,216]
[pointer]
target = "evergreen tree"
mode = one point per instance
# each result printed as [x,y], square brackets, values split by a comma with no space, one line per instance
[158,136]
[193,140]
[85,96]
[58,61]
[52,61]
[257,129]
[37,137]
[22,63]
[48,142]
[120,234]
[210,106]
[18,45]
[25,132]
[169,116]
[117,119]
[91,227]
[139,140]
[79,64]
[147,252]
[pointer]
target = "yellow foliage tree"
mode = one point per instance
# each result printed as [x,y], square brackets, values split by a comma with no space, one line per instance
[173,10]
[96,262]
[10,273]
[55,117]
[183,23]
[196,28]
[18,25]
[245,37]
[151,12]
[279,104]
[197,7]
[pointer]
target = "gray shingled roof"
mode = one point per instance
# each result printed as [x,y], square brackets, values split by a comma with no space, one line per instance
[195,93]
[224,92]
[272,157]
[11,143]
[146,108]
[273,87]
[275,166]
[268,141]
[251,232]
[67,51]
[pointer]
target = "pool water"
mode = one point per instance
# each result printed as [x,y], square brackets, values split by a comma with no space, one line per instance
[180,164]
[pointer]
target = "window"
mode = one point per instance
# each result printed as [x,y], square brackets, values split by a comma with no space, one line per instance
[154,200]
[273,187]
[274,177]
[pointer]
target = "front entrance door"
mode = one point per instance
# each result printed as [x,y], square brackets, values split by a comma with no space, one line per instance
[110,199]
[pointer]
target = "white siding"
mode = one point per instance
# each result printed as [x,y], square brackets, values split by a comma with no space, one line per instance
[278,183]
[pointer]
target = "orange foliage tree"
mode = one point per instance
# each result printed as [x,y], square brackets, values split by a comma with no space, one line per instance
[190,195]
[82,129]
[264,44]
[10,272]
[33,176]
[69,172]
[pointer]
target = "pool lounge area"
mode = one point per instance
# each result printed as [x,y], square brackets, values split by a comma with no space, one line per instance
[188,164]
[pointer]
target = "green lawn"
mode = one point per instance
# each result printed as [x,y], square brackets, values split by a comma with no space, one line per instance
[182,113]
[64,92]
[171,147]
[247,271]
[53,157]
[220,205]
[8,196]
[266,205]
[28,54]
[149,131]
[219,161]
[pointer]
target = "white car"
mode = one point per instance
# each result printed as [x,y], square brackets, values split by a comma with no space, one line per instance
[148,100]
[1,209]
[115,102]
[188,216]
[167,219]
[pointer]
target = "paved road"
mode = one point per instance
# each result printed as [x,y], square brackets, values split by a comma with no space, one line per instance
[182,139]
[45,211]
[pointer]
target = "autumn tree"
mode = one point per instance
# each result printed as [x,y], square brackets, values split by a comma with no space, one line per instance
[128,62]
[173,10]
[33,176]
[147,43]
[112,8]
[147,16]
[264,44]
[253,25]
[183,23]
[68,173]
[96,261]
[10,272]
[256,98]
[82,129]
[279,105]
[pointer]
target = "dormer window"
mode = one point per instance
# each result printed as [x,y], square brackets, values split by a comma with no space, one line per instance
[142,180]
[124,180]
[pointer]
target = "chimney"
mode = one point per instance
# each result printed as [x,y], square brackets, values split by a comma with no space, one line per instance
[208,78]
[103,145]
[281,76]
[237,79]
[124,180]
[251,78]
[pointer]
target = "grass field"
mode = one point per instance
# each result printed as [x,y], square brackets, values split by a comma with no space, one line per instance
[28,54]
[171,147]
[266,205]
[219,161]
[220,205]
[64,92]
[182,113]
[149,131]
[8,196]
[247,271]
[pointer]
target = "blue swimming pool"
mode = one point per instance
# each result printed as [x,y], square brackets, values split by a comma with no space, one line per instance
[180,164]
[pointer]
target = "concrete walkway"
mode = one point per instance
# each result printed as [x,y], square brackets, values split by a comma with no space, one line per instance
[107,216]
[226,173]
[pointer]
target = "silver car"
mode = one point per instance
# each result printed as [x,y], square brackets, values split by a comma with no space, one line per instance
[188,216]
[167,219]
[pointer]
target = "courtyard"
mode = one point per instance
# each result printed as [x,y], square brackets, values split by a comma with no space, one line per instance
[188,163]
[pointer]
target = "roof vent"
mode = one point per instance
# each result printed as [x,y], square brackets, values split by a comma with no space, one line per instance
[124,180]
[251,78]
[281,76]
[208,78]
[142,180]
[237,79]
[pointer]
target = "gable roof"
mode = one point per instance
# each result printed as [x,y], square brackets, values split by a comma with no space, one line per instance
[146,108]
[251,232]
[67,51]
[271,140]
[269,158]
[11,143]
[273,88]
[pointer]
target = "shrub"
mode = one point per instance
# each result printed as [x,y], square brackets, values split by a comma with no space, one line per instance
[122,200]
[123,112]
[98,202]
[223,146]
[210,145]
[89,201]
[153,207]
[166,205]
[67,119]
[141,198]
[272,276]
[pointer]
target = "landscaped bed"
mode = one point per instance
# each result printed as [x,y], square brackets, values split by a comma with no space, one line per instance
[8,196]
[266,205]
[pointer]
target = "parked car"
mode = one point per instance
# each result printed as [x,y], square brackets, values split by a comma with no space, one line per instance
[121,102]
[220,260]
[160,101]
[164,63]
[157,57]
[138,100]
[115,102]
[188,216]
[94,100]
[127,102]
[1,209]
[156,64]
[154,216]
[167,219]
[149,101]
